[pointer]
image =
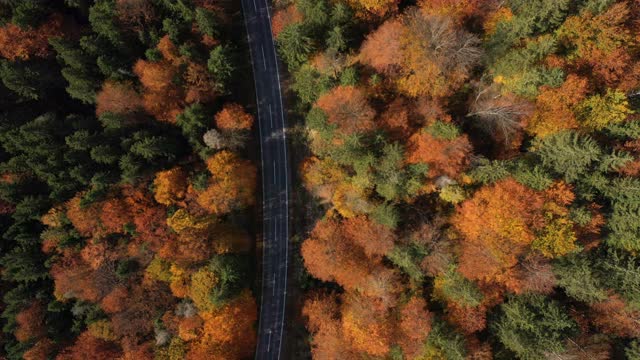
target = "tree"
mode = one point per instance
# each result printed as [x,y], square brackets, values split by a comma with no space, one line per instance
[430,57]
[31,323]
[443,156]
[531,326]
[117,98]
[88,344]
[613,316]
[415,325]
[555,107]
[17,43]
[373,8]
[170,186]
[229,332]
[161,97]
[233,117]
[232,184]
[597,112]
[348,109]
[285,17]
[294,45]
[501,115]
[497,223]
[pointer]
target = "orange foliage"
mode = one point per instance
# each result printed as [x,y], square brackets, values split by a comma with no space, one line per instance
[373,8]
[22,44]
[497,223]
[554,107]
[170,186]
[467,318]
[114,215]
[115,301]
[232,183]
[87,344]
[85,220]
[285,17]
[457,9]
[382,47]
[365,329]
[161,97]
[117,98]
[347,108]
[149,218]
[373,238]
[425,54]
[334,253]
[30,323]
[444,157]
[395,120]
[415,325]
[614,317]
[227,333]
[322,315]
[43,349]
[321,177]
[233,117]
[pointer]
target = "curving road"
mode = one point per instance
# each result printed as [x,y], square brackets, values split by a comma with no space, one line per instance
[275,178]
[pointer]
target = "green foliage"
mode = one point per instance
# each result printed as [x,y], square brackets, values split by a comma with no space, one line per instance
[407,258]
[521,70]
[231,272]
[488,171]
[194,122]
[532,325]
[221,65]
[451,286]
[576,275]
[443,130]
[29,13]
[569,154]
[310,84]
[385,214]
[79,71]
[624,196]
[102,17]
[32,80]
[445,342]
[621,271]
[294,45]
[207,23]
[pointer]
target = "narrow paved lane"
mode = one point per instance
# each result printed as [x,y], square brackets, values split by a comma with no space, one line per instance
[275,179]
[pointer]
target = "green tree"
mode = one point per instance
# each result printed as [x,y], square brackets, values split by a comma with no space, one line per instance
[532,325]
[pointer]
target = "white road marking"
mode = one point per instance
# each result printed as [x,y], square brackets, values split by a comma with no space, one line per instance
[274,285]
[255,6]
[269,344]
[264,59]
[274,172]
[270,117]
[286,179]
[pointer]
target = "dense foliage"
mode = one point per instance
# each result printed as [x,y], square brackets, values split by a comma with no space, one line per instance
[124,187]
[477,165]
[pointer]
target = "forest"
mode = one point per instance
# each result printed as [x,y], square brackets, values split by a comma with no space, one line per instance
[471,173]
[466,178]
[126,183]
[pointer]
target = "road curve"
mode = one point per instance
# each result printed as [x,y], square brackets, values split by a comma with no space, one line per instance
[275,178]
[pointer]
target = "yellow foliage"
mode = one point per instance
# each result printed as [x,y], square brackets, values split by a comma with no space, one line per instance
[202,283]
[503,14]
[557,238]
[350,201]
[454,194]
[175,351]
[170,186]
[53,217]
[599,111]
[179,284]
[102,329]
[159,269]
[181,220]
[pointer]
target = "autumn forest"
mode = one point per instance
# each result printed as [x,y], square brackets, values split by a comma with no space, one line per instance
[465,179]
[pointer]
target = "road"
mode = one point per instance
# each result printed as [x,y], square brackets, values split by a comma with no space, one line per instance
[275,178]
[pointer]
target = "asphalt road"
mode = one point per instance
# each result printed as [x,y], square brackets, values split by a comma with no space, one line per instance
[275,178]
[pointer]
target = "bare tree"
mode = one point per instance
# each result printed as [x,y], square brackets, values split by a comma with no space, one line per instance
[499,114]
